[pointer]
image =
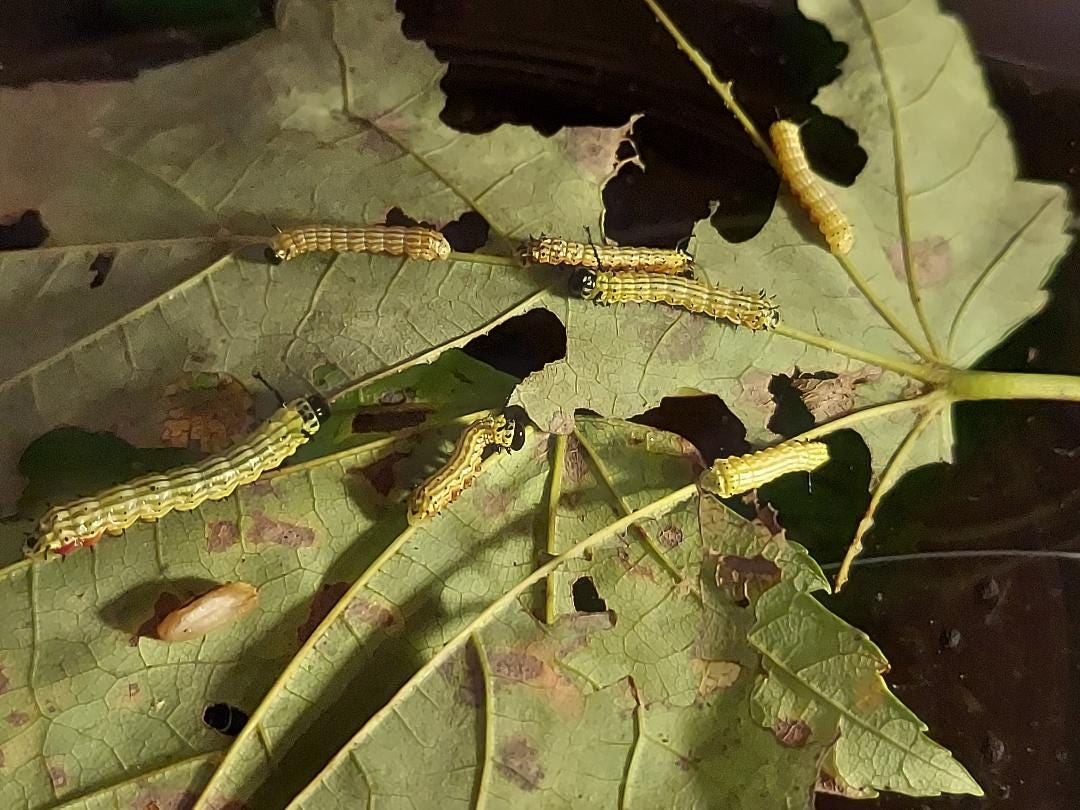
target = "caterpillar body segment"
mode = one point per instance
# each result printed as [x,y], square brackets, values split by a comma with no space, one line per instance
[395,240]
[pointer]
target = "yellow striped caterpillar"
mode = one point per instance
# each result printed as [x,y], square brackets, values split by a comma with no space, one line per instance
[737,474]
[466,460]
[753,310]
[547,250]
[67,528]
[808,189]
[396,240]
[213,610]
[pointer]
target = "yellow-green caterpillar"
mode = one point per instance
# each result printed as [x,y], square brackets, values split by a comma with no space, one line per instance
[753,310]
[396,240]
[735,475]
[466,460]
[548,250]
[67,528]
[808,189]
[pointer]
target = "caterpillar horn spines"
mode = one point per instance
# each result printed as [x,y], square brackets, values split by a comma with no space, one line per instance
[808,188]
[66,528]
[735,475]
[754,311]
[414,242]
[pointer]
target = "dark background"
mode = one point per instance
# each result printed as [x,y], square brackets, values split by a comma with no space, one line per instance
[983,649]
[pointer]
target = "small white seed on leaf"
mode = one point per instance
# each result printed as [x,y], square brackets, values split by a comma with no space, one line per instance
[206,613]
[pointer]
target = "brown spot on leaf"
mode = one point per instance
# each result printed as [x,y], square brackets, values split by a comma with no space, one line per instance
[931,261]
[221,535]
[264,529]
[208,411]
[379,474]
[684,341]
[374,614]
[390,418]
[791,733]
[163,799]
[18,719]
[670,536]
[516,666]
[494,502]
[593,148]
[134,690]
[827,783]
[397,396]
[742,576]
[517,761]
[827,395]
[58,776]
[324,599]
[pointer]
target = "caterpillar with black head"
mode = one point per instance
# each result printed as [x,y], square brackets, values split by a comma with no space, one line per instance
[755,311]
[71,526]
[548,250]
[443,487]
[808,189]
[413,242]
[735,475]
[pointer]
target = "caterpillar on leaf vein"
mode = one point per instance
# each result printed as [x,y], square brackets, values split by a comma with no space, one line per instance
[755,311]
[413,242]
[808,188]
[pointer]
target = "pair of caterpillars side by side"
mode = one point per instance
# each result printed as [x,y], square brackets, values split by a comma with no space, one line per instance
[71,526]
[499,433]
[612,258]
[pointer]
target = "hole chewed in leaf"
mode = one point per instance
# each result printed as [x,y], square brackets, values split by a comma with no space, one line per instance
[517,760]
[100,267]
[703,420]
[586,598]
[23,233]
[227,719]
[522,345]
[389,418]
[468,233]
